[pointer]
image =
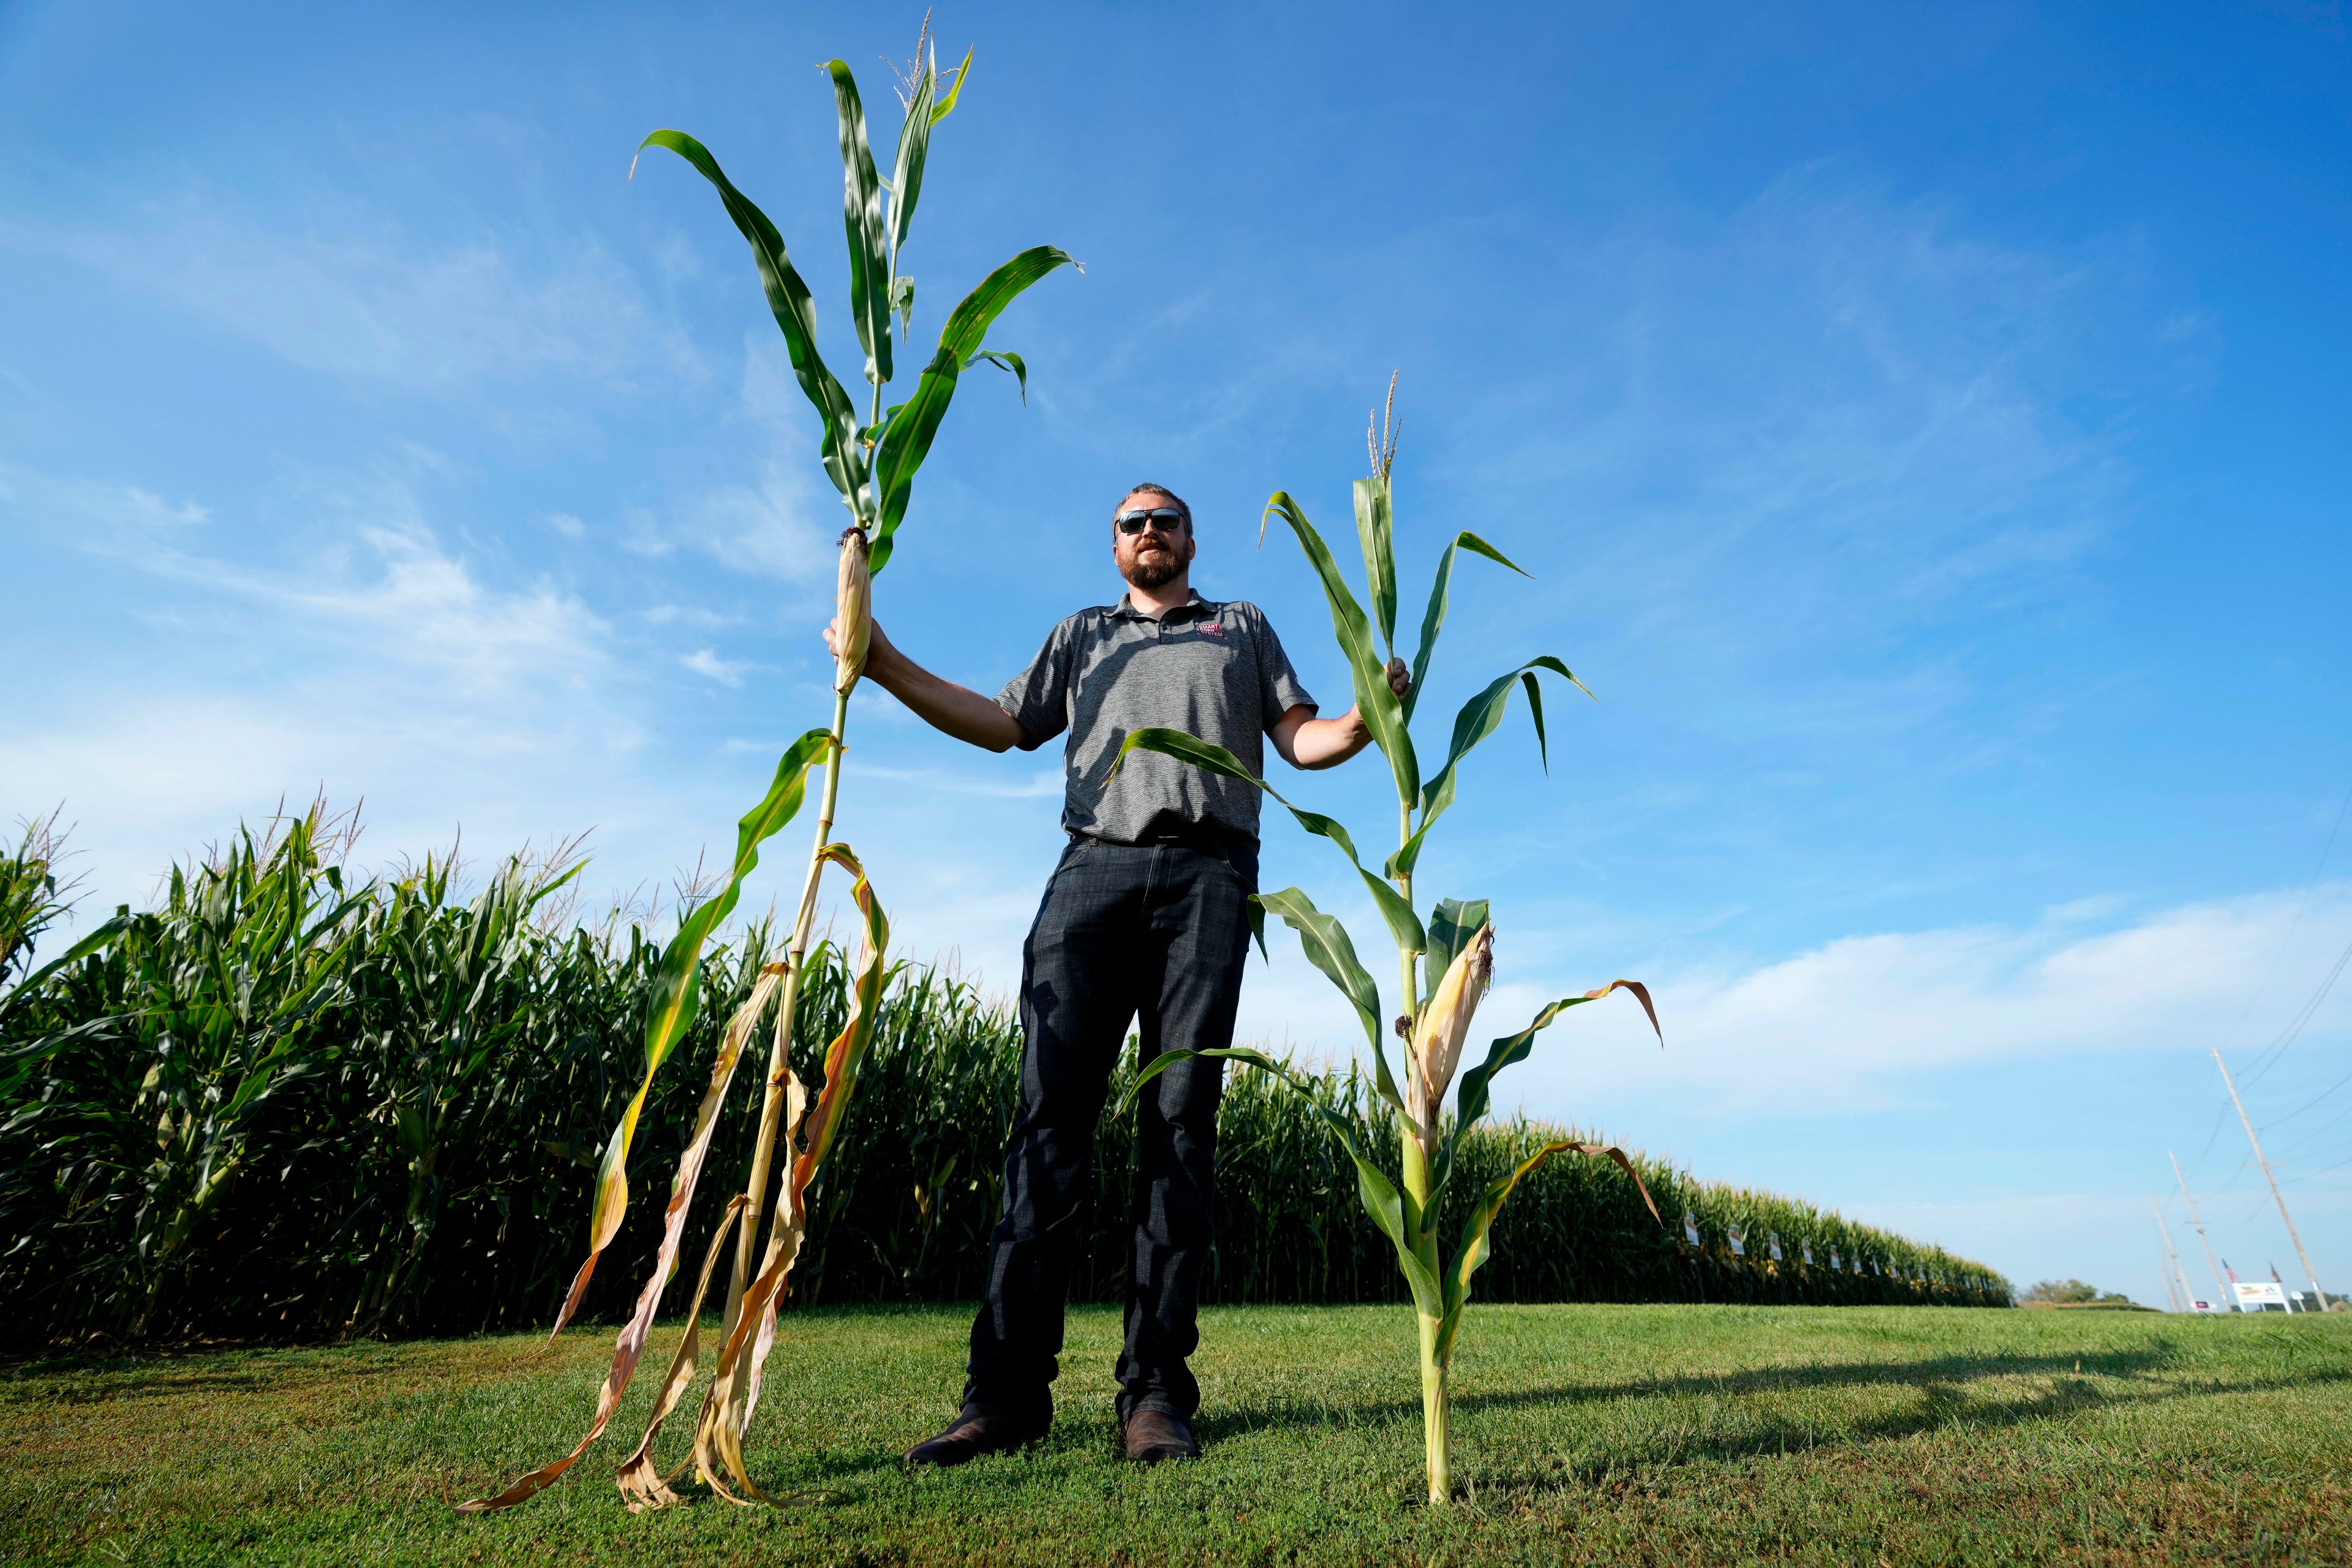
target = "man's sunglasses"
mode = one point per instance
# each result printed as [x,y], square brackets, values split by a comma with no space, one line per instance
[1159,519]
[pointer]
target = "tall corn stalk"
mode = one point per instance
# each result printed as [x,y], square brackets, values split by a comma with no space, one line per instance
[1457,939]
[872,461]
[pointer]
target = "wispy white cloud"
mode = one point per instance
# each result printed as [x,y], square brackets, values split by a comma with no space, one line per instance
[1803,438]
[700,618]
[1852,1022]
[376,663]
[763,529]
[333,285]
[728,672]
[86,508]
[378,580]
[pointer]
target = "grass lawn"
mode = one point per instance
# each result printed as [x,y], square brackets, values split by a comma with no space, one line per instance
[1671,1435]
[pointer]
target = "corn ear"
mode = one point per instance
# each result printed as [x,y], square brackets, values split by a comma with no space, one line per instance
[1446,1024]
[853,609]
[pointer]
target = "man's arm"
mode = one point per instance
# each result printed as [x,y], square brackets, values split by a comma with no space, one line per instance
[957,710]
[1306,742]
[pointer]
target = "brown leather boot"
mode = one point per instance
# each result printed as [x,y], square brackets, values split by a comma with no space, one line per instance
[1154,1435]
[978,1430]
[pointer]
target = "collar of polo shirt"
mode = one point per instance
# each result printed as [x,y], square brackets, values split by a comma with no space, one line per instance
[1124,609]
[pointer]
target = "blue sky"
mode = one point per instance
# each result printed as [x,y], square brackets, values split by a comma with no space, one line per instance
[1925,425]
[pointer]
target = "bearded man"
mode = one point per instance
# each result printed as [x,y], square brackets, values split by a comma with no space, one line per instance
[1145,919]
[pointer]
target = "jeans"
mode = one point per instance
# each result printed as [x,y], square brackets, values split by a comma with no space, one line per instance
[1155,933]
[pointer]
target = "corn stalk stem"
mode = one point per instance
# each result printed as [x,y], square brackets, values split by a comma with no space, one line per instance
[795,961]
[1416,1173]
[1433,1411]
[1408,962]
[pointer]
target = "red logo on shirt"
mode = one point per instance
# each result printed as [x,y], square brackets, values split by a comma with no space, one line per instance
[1213,628]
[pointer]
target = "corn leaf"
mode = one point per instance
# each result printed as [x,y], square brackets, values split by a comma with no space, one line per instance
[846,1053]
[907,167]
[640,1480]
[908,439]
[947,105]
[1392,1210]
[1329,948]
[677,994]
[1471,1249]
[1474,1092]
[1005,360]
[795,313]
[1451,927]
[861,217]
[905,442]
[1434,617]
[1480,717]
[717,1438]
[968,324]
[1382,712]
[99,935]
[631,1344]
[1375,531]
[1403,924]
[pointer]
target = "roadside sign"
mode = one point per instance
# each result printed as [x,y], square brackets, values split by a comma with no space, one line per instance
[2260,1295]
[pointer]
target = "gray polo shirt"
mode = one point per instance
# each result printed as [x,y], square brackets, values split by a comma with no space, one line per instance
[1215,670]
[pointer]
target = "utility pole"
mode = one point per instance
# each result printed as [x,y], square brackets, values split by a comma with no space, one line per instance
[2229,1303]
[2310,1272]
[2187,1301]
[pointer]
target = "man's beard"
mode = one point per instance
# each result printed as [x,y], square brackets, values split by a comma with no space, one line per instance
[1154,571]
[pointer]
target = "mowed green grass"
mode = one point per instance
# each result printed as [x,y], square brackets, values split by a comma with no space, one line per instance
[1670,1435]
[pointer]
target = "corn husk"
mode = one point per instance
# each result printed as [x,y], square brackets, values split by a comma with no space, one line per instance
[1445,1025]
[853,605]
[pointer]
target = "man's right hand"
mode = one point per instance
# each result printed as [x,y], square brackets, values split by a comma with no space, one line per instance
[879,650]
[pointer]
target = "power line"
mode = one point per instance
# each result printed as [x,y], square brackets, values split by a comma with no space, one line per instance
[2307,1104]
[2277,1047]
[2294,924]
[2220,1113]
[2321,1172]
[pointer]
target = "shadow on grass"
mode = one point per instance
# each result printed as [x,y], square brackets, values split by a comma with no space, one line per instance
[1944,1384]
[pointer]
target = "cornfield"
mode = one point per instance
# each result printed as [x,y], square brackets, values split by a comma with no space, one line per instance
[291,1102]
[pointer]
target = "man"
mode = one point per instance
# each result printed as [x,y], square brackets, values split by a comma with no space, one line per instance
[1145,916]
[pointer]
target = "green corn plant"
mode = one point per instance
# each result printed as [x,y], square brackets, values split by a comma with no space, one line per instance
[464,986]
[331,1224]
[33,893]
[230,981]
[872,460]
[1456,941]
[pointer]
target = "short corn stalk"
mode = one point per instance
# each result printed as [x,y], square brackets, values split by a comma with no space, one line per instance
[1457,943]
[872,460]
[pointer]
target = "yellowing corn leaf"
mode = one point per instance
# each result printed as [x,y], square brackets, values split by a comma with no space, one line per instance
[718,1434]
[641,1482]
[632,1341]
[677,994]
